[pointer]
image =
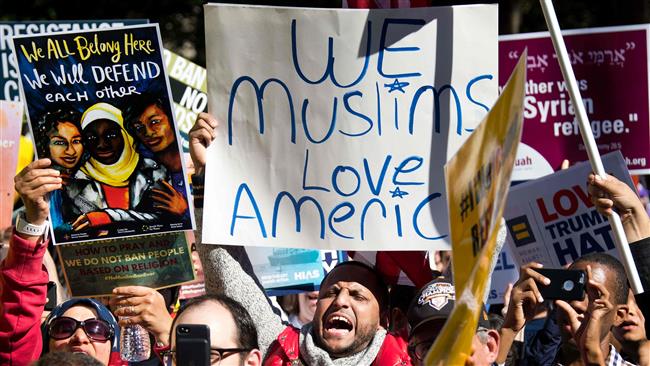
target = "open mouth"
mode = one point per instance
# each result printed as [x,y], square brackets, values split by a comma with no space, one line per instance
[338,325]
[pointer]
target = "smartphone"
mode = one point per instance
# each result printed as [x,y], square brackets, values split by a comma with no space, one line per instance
[193,345]
[51,296]
[566,284]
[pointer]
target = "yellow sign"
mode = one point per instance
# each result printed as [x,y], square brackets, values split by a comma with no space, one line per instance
[477,180]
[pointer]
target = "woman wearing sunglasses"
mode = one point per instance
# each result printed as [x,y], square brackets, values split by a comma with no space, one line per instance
[83,325]
[77,325]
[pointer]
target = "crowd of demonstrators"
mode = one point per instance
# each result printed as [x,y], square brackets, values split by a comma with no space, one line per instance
[585,331]
[350,320]
[354,319]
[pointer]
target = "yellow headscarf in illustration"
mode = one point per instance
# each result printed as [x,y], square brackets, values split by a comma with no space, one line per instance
[116,175]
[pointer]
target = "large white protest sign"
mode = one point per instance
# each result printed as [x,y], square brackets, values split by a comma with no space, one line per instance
[552,220]
[336,124]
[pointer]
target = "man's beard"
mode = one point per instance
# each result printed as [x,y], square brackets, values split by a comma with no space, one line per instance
[363,337]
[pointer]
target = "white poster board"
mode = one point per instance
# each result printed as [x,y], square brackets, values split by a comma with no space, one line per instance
[336,124]
[552,221]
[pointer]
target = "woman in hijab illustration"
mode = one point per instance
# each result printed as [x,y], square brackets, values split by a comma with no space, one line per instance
[115,184]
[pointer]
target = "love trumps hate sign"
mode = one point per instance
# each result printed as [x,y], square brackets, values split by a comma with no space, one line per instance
[336,124]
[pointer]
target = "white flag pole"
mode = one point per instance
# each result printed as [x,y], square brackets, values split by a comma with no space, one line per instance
[588,139]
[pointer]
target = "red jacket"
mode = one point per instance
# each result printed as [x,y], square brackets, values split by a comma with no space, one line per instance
[23,287]
[285,350]
[24,279]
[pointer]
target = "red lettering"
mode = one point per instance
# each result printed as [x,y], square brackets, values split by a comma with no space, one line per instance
[584,197]
[542,209]
[557,202]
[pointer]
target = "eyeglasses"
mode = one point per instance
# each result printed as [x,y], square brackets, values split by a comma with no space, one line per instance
[216,355]
[419,350]
[96,329]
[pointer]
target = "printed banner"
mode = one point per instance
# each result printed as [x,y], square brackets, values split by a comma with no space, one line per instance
[336,124]
[552,221]
[98,105]
[284,271]
[188,82]
[478,180]
[156,261]
[11,120]
[611,68]
[8,66]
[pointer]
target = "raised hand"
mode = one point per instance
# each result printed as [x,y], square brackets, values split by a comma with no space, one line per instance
[201,135]
[144,306]
[525,299]
[609,193]
[587,329]
[33,184]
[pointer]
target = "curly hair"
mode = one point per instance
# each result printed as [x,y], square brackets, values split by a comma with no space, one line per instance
[48,123]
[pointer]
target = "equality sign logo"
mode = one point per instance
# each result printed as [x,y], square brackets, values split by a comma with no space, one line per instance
[520,231]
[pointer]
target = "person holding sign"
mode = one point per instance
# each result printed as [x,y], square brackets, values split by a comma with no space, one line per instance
[114,184]
[609,194]
[347,328]
[77,325]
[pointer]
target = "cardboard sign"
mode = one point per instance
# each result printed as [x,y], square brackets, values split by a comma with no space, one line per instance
[8,66]
[11,120]
[336,124]
[552,221]
[156,261]
[189,86]
[478,179]
[611,68]
[290,270]
[99,107]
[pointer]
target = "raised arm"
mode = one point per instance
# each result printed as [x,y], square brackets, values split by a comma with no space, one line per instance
[610,194]
[228,269]
[23,277]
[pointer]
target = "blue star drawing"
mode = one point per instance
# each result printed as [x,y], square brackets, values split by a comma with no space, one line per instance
[396,86]
[398,193]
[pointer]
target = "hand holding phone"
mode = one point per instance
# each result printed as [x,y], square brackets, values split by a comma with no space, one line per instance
[566,284]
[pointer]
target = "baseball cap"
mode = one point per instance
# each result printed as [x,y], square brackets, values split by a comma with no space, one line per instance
[435,301]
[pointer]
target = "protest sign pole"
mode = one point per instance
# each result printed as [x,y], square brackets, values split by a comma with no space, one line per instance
[588,139]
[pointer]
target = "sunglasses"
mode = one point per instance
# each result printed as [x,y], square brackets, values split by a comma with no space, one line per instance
[96,329]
